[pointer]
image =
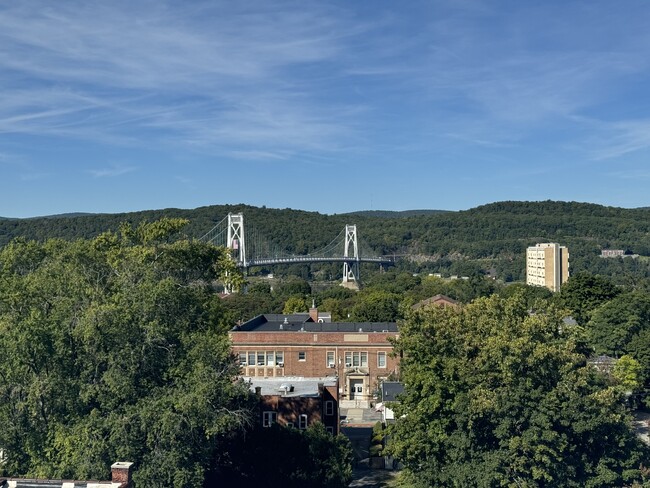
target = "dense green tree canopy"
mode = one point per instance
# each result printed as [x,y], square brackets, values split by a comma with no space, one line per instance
[584,292]
[496,396]
[376,306]
[113,349]
[622,326]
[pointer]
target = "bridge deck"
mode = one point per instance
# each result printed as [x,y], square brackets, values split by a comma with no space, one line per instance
[311,259]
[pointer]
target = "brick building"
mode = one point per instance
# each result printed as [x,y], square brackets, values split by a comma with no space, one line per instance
[437,300]
[298,402]
[358,354]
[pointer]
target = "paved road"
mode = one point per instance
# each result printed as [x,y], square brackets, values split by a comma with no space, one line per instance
[641,424]
[372,478]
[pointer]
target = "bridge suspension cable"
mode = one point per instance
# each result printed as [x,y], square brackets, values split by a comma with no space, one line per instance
[249,247]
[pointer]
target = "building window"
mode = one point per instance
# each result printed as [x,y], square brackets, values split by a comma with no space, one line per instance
[269,418]
[242,359]
[303,421]
[381,359]
[302,356]
[251,358]
[330,430]
[356,359]
[279,358]
[329,407]
[260,358]
[330,359]
[270,358]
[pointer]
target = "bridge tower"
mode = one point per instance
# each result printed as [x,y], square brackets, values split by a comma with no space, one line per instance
[351,266]
[236,239]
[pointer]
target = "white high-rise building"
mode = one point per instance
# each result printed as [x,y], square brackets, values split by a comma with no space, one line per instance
[547,265]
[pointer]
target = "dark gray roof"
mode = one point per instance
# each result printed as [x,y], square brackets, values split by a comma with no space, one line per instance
[390,390]
[297,322]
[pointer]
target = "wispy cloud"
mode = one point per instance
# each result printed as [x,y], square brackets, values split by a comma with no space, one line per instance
[112,171]
[631,175]
[291,81]
[621,138]
[218,74]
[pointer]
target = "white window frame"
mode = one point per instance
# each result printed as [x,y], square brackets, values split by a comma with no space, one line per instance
[330,359]
[279,358]
[302,421]
[330,430]
[381,354]
[356,359]
[329,407]
[303,354]
[244,361]
[269,418]
[270,358]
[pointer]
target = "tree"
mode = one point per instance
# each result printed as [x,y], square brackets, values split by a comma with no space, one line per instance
[113,348]
[621,326]
[496,396]
[376,306]
[584,292]
[281,456]
[530,293]
[294,304]
[615,323]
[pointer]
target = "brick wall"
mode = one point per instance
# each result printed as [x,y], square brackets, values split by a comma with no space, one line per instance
[314,347]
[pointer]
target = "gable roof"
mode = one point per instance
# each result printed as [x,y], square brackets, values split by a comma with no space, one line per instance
[440,300]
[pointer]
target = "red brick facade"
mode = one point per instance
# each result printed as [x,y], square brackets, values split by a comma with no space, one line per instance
[302,411]
[358,359]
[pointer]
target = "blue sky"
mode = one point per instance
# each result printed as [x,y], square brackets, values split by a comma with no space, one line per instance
[328,106]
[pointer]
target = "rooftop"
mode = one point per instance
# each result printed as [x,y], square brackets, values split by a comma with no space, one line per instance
[38,483]
[390,390]
[303,322]
[290,386]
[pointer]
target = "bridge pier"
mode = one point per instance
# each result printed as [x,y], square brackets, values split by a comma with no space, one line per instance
[236,242]
[351,273]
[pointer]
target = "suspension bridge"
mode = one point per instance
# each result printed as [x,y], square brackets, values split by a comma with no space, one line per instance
[251,248]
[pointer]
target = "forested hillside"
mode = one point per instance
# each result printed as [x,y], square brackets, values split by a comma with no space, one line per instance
[490,237]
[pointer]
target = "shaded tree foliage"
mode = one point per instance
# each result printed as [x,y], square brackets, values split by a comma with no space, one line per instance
[280,456]
[113,350]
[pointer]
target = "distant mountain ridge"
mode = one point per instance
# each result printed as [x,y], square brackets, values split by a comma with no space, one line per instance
[489,237]
[394,213]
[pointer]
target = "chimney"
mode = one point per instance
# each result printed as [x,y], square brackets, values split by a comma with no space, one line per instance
[121,473]
[313,311]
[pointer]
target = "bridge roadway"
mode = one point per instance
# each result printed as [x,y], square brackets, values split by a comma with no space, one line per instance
[311,259]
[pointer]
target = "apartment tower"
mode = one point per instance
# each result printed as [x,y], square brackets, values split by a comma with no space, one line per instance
[547,265]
